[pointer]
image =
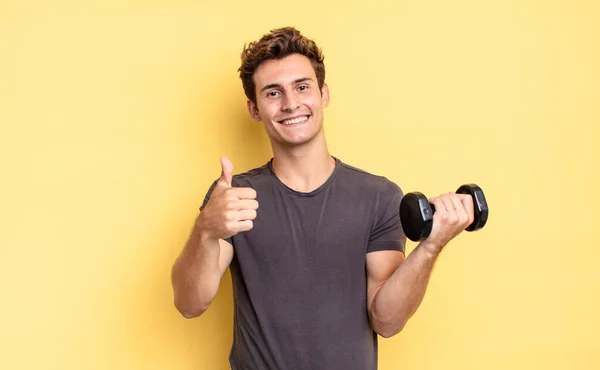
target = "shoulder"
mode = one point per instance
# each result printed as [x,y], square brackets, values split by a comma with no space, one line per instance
[358,177]
[252,176]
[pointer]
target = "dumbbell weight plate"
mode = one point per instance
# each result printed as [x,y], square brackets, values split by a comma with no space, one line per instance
[416,215]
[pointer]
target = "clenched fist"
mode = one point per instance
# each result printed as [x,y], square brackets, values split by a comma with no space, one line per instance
[229,210]
[453,214]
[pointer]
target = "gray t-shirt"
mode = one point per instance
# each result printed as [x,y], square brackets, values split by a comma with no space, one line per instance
[299,276]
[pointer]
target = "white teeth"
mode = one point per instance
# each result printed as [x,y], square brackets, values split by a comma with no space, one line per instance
[295,120]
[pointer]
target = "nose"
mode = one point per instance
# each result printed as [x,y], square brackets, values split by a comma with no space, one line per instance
[289,103]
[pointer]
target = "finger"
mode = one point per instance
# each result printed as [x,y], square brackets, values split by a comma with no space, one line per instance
[226,172]
[246,204]
[244,193]
[461,212]
[446,199]
[440,208]
[244,225]
[467,201]
[246,214]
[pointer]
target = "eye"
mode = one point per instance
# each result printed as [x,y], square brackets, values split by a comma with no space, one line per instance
[272,94]
[303,87]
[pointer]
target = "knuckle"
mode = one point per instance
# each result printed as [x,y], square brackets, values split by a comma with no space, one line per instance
[227,228]
[229,216]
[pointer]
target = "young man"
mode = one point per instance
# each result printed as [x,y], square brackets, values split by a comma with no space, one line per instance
[319,268]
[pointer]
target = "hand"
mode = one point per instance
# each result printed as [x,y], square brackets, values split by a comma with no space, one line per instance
[229,210]
[453,214]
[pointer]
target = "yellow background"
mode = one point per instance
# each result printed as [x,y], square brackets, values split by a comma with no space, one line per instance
[114,115]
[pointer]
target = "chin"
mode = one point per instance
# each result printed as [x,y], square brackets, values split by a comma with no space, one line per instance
[299,141]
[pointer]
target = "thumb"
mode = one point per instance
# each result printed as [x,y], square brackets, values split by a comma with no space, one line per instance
[226,172]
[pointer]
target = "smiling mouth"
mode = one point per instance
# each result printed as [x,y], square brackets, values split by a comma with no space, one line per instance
[295,120]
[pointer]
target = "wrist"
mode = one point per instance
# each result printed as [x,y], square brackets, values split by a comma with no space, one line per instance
[431,248]
[203,232]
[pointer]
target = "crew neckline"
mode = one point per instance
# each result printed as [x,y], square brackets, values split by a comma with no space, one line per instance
[338,163]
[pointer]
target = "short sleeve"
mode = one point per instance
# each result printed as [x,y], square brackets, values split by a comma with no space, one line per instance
[387,232]
[208,193]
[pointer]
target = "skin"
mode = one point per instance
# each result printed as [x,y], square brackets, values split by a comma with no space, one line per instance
[287,89]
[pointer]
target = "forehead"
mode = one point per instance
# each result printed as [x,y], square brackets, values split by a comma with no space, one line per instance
[283,71]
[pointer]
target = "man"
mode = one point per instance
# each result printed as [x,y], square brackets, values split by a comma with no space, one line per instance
[319,269]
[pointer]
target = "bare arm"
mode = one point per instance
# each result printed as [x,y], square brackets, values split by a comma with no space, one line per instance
[197,272]
[396,287]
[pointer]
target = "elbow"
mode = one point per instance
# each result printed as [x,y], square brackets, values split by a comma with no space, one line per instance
[190,311]
[189,302]
[387,329]
[389,332]
[191,314]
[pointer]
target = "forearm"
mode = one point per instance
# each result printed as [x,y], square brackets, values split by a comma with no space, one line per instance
[196,275]
[400,296]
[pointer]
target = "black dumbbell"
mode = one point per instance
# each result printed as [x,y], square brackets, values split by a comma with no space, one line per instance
[416,213]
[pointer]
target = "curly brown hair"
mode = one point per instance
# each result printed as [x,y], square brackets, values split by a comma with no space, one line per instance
[278,44]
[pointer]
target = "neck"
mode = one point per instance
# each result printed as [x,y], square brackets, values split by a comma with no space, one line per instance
[303,168]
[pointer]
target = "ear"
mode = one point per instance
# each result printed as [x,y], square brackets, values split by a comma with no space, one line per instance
[325,95]
[253,110]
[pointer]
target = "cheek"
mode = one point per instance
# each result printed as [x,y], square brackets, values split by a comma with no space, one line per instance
[268,111]
[315,102]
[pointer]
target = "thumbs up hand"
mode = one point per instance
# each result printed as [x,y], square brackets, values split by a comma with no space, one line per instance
[226,172]
[229,210]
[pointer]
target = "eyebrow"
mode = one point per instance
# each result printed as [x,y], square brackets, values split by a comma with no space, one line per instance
[271,86]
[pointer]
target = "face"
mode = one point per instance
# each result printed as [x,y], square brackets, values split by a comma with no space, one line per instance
[288,100]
